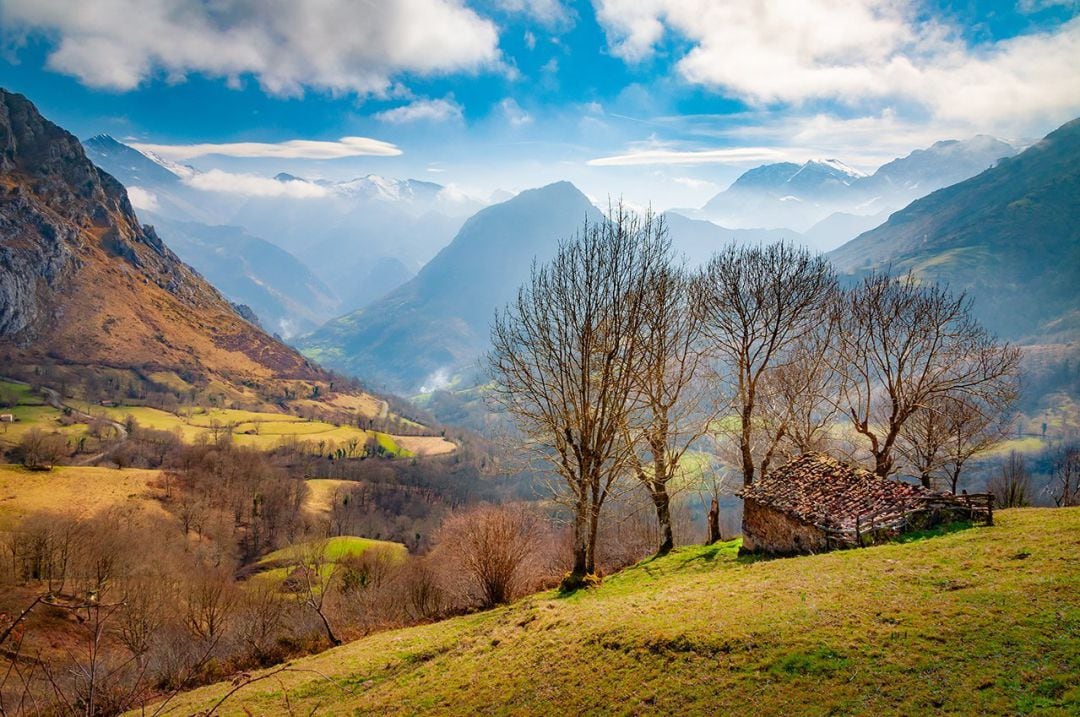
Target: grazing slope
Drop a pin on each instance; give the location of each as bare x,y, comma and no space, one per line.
980,621
438,322
1010,236
82,282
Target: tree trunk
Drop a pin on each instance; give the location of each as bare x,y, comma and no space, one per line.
329,631
744,446
925,480
590,555
663,516
581,541
714,522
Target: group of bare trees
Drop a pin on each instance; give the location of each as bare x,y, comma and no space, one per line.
616,359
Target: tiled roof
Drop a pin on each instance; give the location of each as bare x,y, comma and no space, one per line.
820,490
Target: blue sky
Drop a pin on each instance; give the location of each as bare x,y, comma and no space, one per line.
658,100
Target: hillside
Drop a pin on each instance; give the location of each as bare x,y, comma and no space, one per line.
286,296
979,621
1010,236
436,325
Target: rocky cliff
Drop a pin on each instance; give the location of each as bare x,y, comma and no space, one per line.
82,281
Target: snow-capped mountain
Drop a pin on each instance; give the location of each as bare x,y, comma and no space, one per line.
361,237
803,196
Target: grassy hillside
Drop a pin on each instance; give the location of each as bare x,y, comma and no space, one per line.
978,621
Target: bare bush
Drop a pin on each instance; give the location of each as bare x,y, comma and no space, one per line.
493,546
39,450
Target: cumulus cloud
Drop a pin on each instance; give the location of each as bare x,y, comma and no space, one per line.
735,155
440,110
291,149
336,45
142,198
252,185
793,51
514,113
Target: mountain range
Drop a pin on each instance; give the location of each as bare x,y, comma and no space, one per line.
1010,237
825,200
435,326
360,238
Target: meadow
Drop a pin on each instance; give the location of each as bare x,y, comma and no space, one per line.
976,621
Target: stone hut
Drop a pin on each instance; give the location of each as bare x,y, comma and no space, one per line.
816,503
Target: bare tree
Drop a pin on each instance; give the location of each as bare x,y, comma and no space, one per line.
566,357
940,438
675,410
798,398
312,579
904,345
761,301
41,450
1011,486
1066,476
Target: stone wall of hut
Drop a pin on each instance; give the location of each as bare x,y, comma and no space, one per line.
766,530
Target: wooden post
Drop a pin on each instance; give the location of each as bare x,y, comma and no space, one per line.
989,508
858,530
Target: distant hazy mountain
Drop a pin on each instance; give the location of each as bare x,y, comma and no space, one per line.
437,325
802,196
361,237
697,239
285,295
1010,236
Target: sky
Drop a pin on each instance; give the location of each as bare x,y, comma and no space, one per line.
662,102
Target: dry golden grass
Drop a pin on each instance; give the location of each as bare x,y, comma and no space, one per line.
74,489
425,445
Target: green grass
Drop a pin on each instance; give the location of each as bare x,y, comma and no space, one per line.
275,566
338,548
33,412
956,623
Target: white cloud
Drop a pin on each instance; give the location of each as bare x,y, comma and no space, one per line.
439,110
853,51
291,149
142,198
514,113
336,45
734,155
252,185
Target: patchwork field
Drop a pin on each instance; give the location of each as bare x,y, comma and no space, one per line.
979,621
268,430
